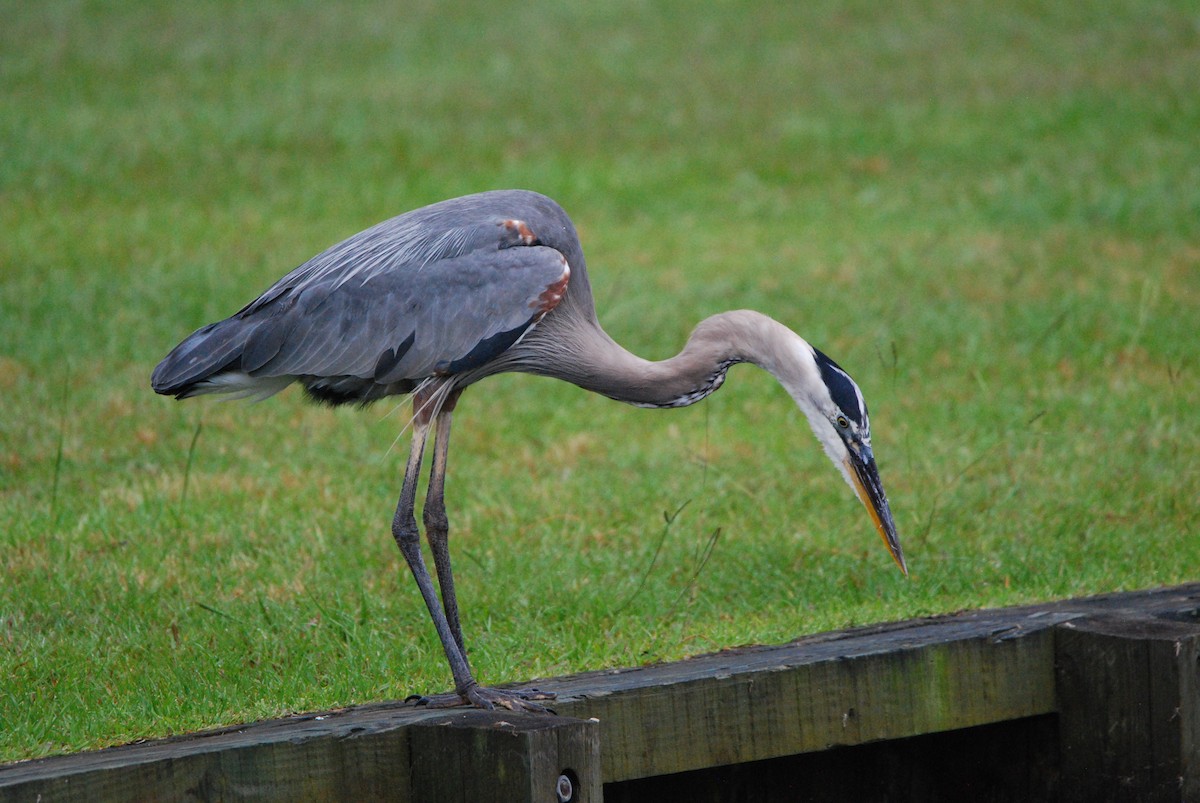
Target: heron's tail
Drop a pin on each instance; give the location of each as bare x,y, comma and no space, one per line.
210,361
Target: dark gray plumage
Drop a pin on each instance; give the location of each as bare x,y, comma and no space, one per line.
345,324
434,300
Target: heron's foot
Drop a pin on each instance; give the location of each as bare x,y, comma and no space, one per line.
488,699
512,699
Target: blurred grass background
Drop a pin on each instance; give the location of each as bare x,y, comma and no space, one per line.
988,212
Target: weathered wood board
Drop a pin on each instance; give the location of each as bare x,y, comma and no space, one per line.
851,687
1129,705
475,755
747,705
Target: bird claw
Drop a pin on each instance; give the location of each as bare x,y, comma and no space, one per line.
449,700
488,699
512,699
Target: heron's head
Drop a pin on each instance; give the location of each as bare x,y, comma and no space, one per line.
837,411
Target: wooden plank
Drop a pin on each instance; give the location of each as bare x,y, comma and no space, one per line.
1130,709
360,754
1007,762
850,687
737,707
477,757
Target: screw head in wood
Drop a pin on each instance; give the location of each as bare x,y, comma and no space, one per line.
566,789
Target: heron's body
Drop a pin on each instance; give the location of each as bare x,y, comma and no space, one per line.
435,300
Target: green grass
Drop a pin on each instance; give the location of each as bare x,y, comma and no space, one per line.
990,214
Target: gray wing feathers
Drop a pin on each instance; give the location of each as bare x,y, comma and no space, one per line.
442,288
441,310
410,240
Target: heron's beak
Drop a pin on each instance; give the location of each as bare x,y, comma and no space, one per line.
870,490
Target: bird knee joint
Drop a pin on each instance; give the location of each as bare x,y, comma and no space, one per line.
436,520
406,533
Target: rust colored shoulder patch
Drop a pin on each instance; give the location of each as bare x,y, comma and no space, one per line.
554,291
521,229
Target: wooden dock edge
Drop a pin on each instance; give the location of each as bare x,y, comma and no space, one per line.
1121,672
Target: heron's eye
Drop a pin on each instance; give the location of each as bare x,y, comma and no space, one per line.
842,422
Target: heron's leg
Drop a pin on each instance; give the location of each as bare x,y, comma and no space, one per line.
408,538
437,525
445,615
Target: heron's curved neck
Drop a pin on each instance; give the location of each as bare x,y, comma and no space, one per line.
594,361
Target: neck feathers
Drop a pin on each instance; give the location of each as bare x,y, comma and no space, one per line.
585,355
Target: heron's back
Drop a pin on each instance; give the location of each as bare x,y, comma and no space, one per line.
442,290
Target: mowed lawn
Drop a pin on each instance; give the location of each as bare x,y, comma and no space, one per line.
989,213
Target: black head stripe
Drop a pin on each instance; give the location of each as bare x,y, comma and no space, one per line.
842,388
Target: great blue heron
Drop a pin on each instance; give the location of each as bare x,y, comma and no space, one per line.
434,300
